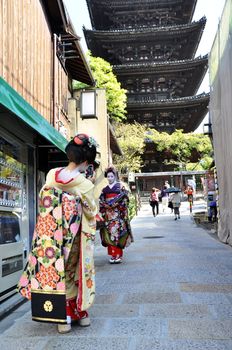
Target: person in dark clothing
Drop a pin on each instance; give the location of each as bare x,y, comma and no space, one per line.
213,211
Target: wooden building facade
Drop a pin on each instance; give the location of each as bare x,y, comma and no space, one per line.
37,44
40,54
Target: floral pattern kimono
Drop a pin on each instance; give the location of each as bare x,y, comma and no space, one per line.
59,277
116,233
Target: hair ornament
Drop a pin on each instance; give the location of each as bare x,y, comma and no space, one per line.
92,142
78,141
83,139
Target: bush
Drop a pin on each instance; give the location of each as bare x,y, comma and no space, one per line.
132,210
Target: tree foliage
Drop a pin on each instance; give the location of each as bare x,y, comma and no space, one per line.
131,138
105,78
189,149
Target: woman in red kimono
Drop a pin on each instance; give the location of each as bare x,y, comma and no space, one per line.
116,232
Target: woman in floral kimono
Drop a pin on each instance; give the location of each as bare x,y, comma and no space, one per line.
59,276
116,232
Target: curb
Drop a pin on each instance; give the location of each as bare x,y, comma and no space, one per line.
11,304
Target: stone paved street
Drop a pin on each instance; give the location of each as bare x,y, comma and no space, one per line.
173,291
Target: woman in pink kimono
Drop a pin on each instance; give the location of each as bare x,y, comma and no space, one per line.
59,275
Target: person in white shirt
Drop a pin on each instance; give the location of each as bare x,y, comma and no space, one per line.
176,201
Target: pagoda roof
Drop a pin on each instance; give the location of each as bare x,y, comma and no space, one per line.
186,112
158,30
104,14
189,73
102,42
190,100
130,68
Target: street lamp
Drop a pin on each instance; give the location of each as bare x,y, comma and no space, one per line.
88,104
207,129
181,175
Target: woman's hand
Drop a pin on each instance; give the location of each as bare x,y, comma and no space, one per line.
92,178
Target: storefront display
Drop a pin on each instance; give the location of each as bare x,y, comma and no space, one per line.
11,181
13,212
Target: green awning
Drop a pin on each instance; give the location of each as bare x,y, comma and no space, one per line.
11,100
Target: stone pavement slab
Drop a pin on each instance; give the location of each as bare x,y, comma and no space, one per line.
208,288
154,344
151,298
18,343
173,291
80,343
200,329
175,311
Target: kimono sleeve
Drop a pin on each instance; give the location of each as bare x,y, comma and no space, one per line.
102,201
124,191
89,208
49,181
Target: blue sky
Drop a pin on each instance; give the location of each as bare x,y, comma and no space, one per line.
212,9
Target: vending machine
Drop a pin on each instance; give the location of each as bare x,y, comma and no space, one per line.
14,227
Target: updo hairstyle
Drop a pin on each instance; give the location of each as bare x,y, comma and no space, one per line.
81,148
111,169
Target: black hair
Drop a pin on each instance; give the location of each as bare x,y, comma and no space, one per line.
111,170
80,149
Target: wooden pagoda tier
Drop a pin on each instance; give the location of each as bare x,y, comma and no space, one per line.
184,113
157,44
155,160
121,14
149,81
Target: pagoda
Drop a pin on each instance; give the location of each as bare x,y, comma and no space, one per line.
152,45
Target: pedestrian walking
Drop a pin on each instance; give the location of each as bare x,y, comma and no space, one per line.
116,231
154,200
175,198
212,211
59,275
189,192
164,198
166,183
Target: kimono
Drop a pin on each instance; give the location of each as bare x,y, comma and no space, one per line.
59,277
116,232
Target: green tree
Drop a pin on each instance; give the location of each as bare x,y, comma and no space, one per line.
105,78
189,149
131,138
